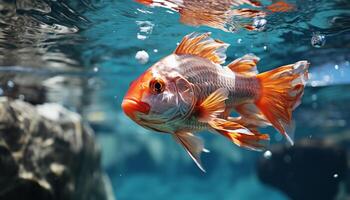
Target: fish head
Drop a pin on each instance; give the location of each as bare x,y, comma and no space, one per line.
159,98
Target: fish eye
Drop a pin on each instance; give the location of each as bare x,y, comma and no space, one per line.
157,86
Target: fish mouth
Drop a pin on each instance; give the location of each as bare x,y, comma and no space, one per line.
131,106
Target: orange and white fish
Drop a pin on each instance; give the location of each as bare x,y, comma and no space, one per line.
189,91
227,15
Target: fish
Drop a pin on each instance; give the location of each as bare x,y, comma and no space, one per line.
226,15
190,91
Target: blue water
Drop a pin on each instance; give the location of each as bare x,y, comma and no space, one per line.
83,53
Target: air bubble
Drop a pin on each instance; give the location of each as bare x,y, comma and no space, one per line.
142,57
239,41
259,23
95,69
267,154
10,84
335,175
141,37
318,40
336,67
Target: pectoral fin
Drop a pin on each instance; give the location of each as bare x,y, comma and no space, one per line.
212,106
193,145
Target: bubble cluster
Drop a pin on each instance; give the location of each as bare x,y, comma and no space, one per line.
146,28
318,40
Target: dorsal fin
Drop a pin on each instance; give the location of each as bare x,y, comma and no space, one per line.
245,65
204,46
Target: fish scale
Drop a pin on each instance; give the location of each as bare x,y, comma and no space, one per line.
208,77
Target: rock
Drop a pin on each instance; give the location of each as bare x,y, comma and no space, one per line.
46,152
309,170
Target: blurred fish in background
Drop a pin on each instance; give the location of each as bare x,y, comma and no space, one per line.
227,15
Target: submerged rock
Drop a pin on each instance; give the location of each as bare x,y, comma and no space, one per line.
310,170
46,152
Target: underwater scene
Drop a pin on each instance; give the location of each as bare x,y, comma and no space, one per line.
174,99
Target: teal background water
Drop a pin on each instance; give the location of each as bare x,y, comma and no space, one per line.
85,58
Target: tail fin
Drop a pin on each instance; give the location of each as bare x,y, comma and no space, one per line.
281,92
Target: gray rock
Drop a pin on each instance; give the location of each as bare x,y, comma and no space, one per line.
46,152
